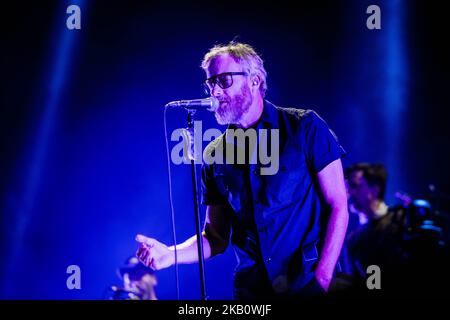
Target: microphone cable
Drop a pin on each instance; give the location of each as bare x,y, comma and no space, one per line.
171,206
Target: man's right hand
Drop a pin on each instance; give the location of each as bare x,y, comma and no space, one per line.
154,254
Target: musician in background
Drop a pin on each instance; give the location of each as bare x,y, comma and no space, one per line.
138,281
402,240
365,184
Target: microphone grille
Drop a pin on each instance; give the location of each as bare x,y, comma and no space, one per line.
214,104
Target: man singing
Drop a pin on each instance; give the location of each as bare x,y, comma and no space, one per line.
287,226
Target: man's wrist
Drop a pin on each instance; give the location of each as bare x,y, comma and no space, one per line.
323,276
323,272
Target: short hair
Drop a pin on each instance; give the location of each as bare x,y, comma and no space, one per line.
375,175
241,53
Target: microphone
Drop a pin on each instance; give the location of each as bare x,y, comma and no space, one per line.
210,104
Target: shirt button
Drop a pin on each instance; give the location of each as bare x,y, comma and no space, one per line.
268,260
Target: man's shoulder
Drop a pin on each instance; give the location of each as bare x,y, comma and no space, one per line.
391,222
294,112
394,218
297,115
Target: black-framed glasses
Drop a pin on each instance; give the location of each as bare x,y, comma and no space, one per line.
223,80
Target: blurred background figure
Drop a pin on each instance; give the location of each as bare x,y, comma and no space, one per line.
407,241
366,187
138,282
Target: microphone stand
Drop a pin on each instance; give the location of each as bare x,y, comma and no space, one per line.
201,260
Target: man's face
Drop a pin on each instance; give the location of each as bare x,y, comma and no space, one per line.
360,192
236,100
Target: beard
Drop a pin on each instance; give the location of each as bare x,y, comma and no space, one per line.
231,109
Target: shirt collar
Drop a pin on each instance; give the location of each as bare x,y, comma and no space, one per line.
267,120
269,117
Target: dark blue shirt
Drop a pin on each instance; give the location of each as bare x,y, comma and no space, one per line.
277,220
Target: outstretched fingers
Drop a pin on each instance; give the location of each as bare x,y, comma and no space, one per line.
148,241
